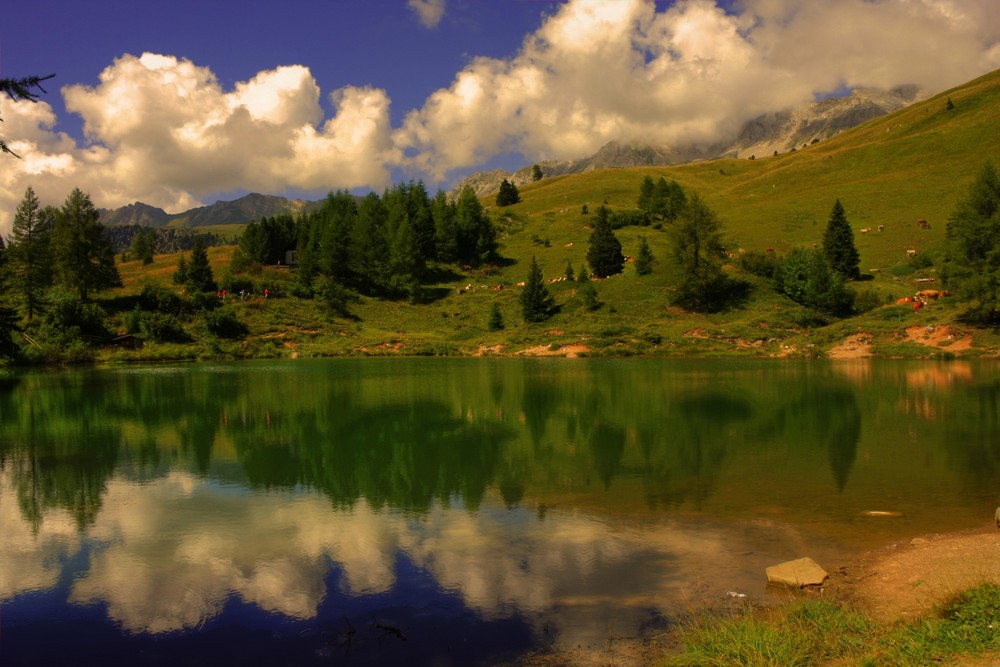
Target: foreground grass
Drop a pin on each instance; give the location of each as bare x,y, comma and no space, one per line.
824,633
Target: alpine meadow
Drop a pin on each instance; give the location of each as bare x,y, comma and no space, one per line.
899,182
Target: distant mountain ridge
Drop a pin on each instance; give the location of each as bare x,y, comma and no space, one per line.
771,132
253,206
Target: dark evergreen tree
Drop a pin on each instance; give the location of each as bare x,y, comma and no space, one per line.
84,258
370,245
697,251
662,200
445,228
476,234
536,172
536,302
143,244
496,318
605,252
180,275
838,245
406,264
307,254
29,255
588,296
972,266
198,276
8,315
508,194
569,273
644,260
647,196
335,235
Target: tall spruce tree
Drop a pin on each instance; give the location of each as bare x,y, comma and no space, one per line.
697,250
477,237
644,259
838,245
972,265
198,275
536,302
84,258
605,252
8,315
28,256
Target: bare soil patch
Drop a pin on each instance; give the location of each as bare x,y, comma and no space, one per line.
943,336
908,580
857,346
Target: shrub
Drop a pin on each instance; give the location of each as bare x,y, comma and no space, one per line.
763,264
224,324
867,300
156,298
156,326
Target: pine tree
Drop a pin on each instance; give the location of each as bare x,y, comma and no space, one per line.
838,245
84,258
496,318
198,276
8,316
180,275
476,234
605,252
445,228
697,250
29,253
508,194
644,260
143,245
536,302
569,273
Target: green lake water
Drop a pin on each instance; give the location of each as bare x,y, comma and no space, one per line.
455,511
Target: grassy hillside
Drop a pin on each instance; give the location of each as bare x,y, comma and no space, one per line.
893,171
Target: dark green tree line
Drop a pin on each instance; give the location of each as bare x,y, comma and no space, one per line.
382,245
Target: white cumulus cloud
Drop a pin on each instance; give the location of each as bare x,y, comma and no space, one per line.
163,130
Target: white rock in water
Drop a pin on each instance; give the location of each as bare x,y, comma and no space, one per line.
797,573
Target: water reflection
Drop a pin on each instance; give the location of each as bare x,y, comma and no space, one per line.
555,496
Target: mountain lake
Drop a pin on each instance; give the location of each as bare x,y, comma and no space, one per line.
455,511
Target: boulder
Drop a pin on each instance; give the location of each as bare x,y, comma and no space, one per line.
797,573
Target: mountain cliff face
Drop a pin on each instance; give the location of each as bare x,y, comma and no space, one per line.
785,130
238,211
138,213
778,131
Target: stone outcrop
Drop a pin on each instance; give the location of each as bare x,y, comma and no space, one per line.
797,573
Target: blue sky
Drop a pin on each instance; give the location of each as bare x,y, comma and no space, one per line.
183,102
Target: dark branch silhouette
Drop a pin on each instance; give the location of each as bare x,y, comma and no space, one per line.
22,89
